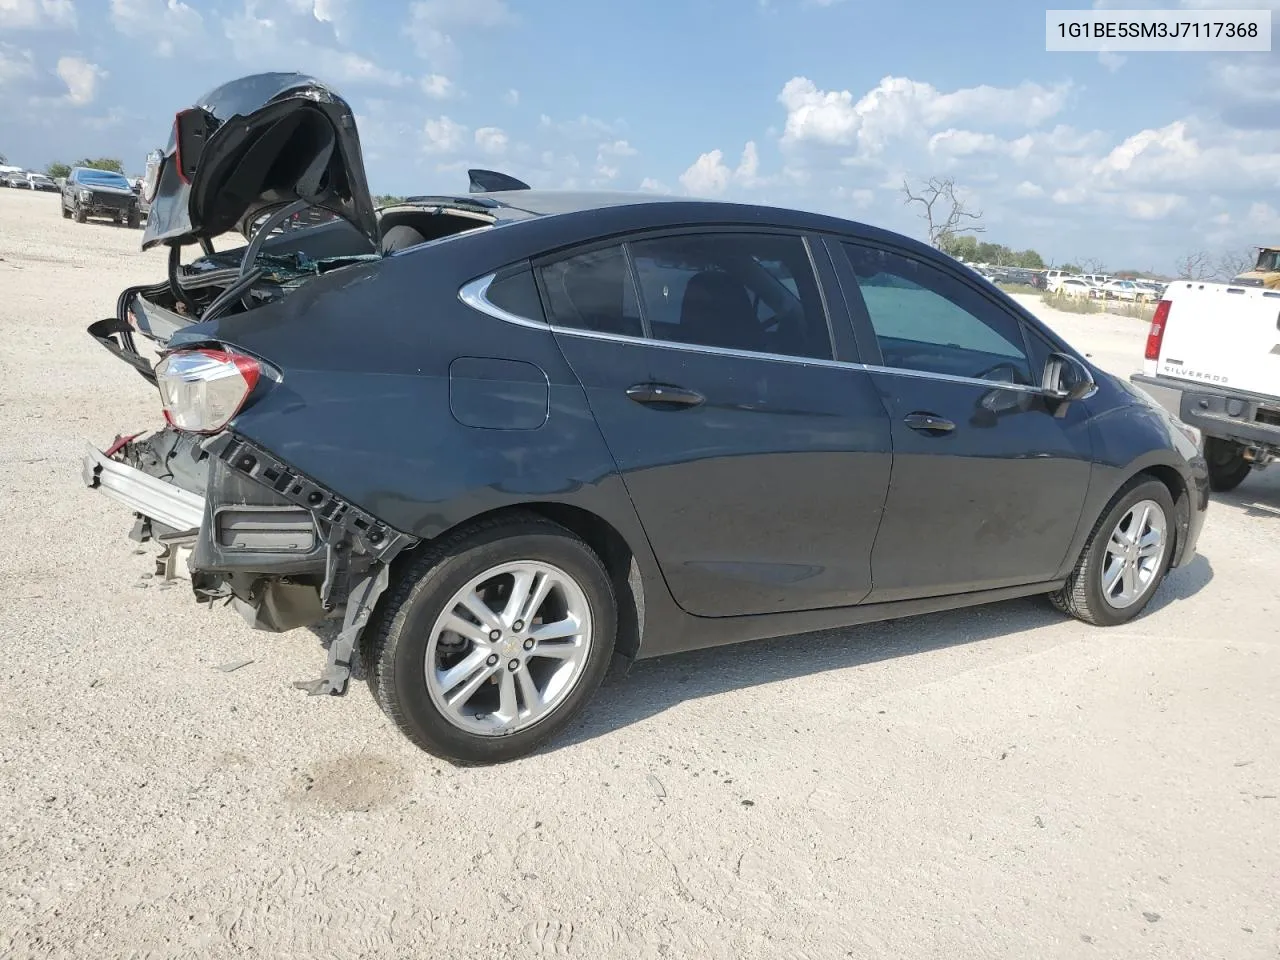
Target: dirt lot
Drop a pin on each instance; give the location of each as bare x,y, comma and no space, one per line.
1000,782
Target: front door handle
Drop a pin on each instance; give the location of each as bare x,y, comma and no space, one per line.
664,395
928,423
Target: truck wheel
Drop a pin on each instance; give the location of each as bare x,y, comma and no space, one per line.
1125,559
66,214
133,220
79,214
490,641
1227,465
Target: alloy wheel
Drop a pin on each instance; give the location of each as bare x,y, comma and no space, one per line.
1135,551
508,647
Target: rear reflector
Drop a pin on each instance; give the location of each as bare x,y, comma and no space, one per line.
1155,335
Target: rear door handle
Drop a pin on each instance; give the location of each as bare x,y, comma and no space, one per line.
928,423
664,395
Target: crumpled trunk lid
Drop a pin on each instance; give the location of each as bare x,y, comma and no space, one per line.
255,145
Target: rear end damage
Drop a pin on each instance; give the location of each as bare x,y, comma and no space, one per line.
247,529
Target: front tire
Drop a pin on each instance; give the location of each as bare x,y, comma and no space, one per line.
66,214
80,214
491,641
1227,465
1125,559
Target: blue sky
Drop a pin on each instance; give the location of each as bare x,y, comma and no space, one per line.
820,104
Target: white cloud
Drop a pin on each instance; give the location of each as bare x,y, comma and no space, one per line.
1028,190
443,135
491,140
709,175
1151,206
650,185
616,148
36,14
1111,60
898,106
437,86
166,22
81,78
511,98
15,65
281,34
433,23
1262,216
583,128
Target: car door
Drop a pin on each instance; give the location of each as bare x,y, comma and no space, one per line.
989,474
756,454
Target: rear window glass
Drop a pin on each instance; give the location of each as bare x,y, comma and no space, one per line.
593,291
516,293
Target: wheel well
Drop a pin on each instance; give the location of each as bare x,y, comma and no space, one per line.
1181,497
612,549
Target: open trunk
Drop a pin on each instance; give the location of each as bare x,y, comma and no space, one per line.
263,156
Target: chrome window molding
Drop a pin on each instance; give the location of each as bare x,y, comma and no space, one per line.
473,295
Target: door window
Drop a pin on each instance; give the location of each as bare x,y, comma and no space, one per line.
592,291
924,319
736,291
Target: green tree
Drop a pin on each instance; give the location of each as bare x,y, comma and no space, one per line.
1029,259
3,159
102,163
962,247
386,200
58,169
1069,267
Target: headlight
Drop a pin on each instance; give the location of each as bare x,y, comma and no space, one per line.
86,196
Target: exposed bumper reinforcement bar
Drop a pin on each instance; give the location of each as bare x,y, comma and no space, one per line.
144,494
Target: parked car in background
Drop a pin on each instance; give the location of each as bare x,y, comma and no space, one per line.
1126,290
1074,287
17,181
99,193
502,437
39,181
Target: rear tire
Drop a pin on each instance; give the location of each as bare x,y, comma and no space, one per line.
1227,465
1122,552
420,669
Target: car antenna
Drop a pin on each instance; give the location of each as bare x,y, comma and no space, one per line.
485,181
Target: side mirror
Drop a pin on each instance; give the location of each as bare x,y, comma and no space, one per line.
1066,378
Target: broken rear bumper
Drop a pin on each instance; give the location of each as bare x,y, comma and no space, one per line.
155,499
285,550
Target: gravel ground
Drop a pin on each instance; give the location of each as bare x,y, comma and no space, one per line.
999,782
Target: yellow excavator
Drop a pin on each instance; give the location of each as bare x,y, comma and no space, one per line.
1266,273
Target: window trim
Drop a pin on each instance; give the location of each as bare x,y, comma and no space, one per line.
472,294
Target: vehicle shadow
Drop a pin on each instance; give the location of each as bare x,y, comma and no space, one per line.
1258,496
654,686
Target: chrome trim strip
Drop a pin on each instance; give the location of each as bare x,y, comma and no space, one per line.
142,493
473,295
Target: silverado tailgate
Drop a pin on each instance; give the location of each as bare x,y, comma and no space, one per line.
1221,334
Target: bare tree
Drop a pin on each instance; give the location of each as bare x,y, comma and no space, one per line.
1234,262
1093,265
942,210
1195,266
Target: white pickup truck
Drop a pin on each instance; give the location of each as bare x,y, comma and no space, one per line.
1213,360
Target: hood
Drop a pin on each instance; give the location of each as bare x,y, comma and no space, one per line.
252,146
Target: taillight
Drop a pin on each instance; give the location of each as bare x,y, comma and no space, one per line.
201,390
1155,335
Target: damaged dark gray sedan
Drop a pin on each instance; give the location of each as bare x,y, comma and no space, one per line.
506,438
